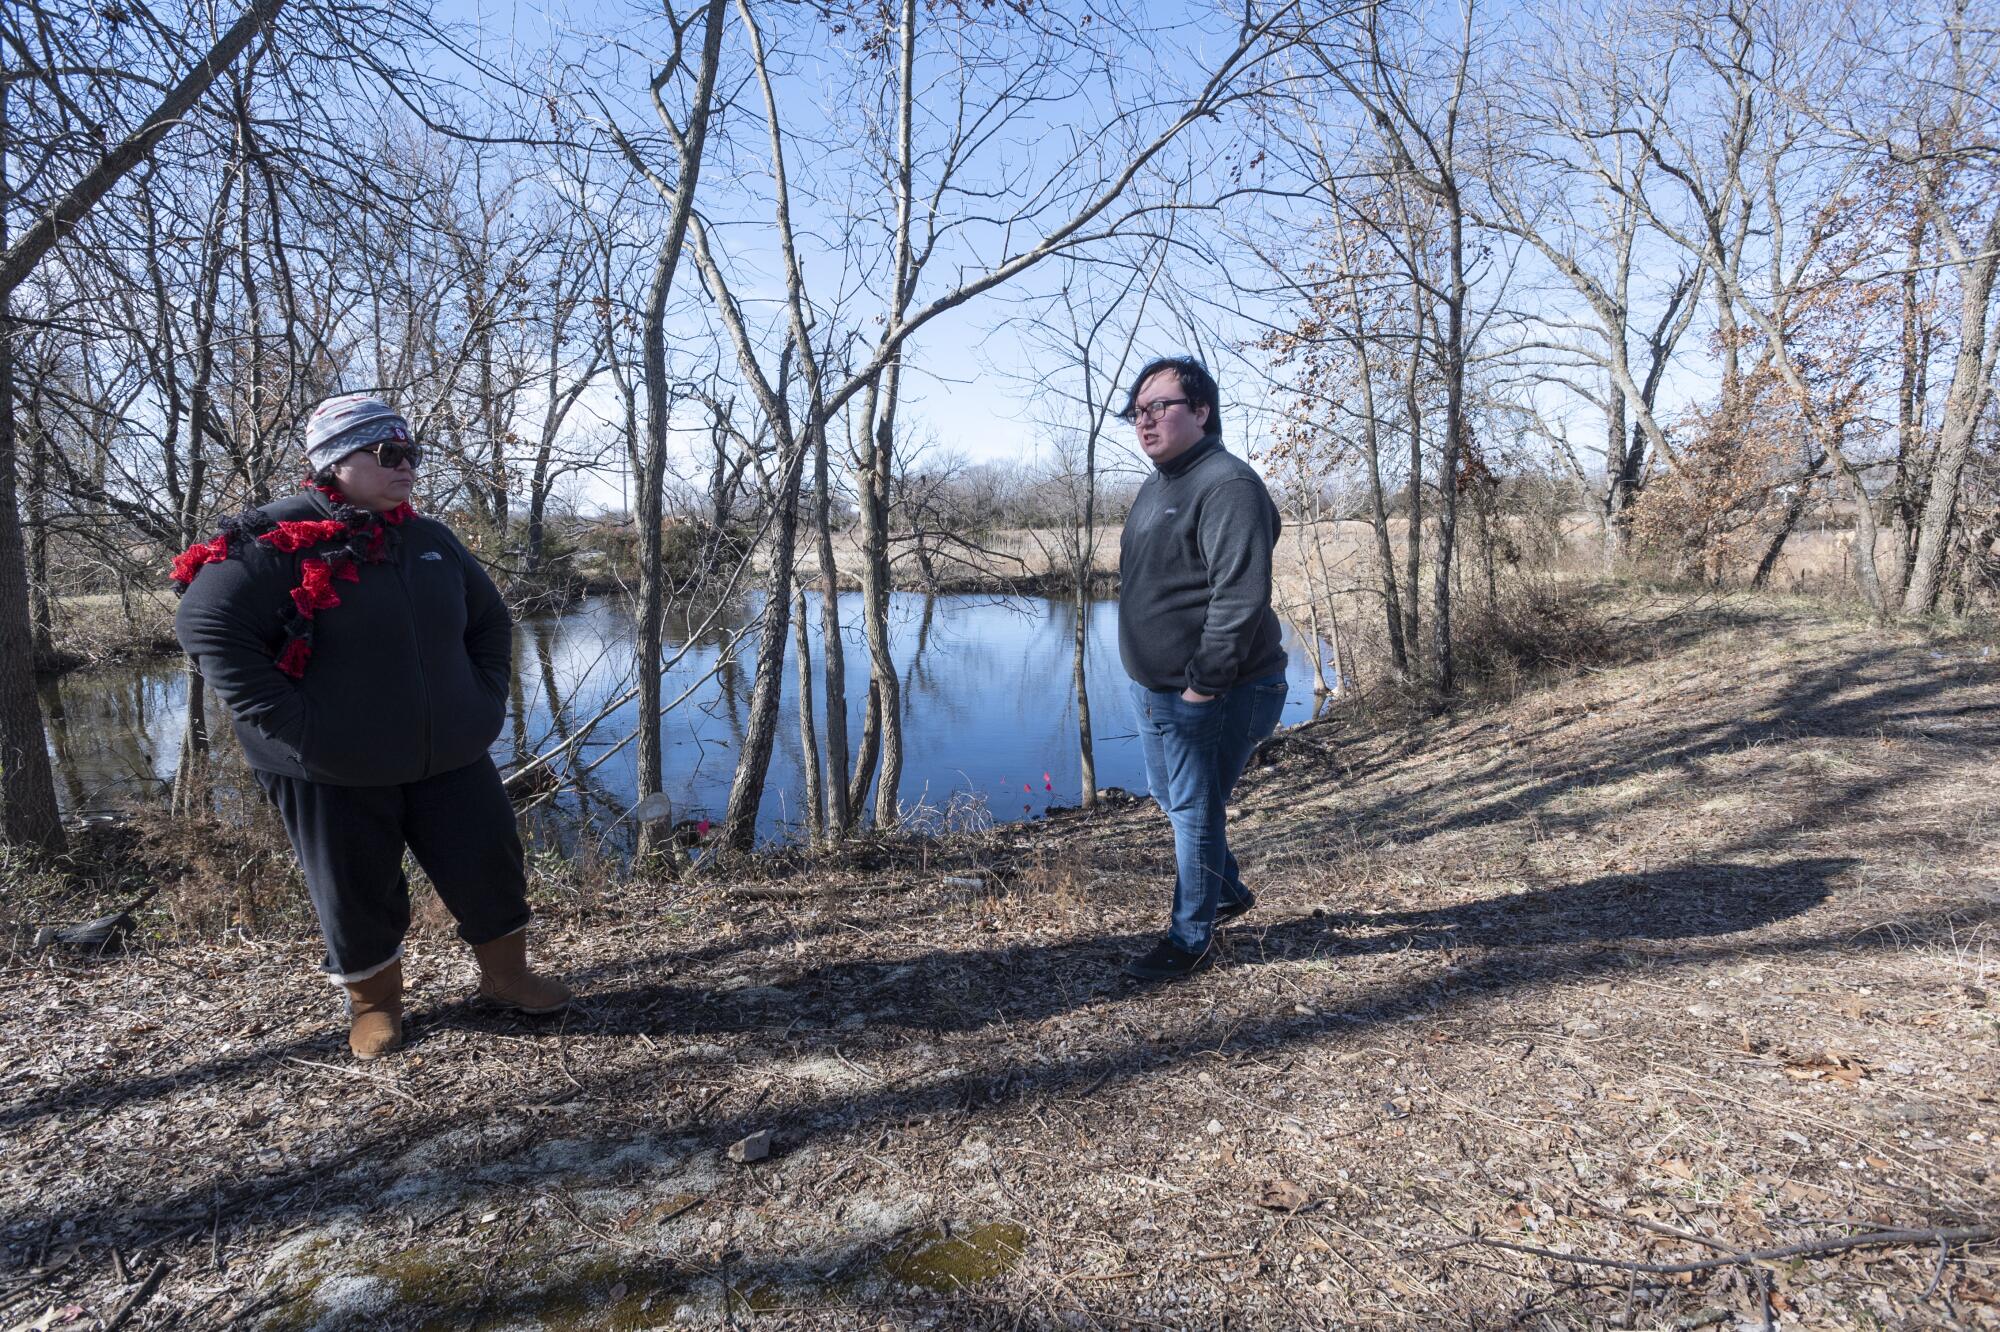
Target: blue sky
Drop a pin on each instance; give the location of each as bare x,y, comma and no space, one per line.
967,389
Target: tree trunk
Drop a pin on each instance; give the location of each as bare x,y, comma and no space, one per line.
1332,597
814,799
1909,417
649,505
1413,537
1962,407
1795,509
40,610
760,732
1455,445
1617,493
1378,518
191,784
497,502
650,501
28,815
864,757
839,814
538,499
1958,570
1864,541
538,478
1086,556
878,425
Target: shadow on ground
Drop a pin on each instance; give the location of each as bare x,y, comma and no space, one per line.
1556,935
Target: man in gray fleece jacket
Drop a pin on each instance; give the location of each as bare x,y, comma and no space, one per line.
1200,641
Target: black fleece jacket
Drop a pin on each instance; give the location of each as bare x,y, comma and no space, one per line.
1194,568
408,675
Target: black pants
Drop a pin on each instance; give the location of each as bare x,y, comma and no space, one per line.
350,841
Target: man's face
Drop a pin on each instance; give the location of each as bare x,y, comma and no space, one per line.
369,485
1167,431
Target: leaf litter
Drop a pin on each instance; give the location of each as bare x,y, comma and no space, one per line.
1461,1014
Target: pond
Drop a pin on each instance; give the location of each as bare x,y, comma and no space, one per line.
988,714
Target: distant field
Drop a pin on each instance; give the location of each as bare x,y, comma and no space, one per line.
1348,548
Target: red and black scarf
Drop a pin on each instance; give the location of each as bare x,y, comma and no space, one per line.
340,545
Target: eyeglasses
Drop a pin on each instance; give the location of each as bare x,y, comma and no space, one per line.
391,453
1154,410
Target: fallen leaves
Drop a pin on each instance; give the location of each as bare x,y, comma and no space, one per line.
56,1317
1833,1066
1280,1195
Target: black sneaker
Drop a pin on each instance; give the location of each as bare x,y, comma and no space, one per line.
1229,911
1168,961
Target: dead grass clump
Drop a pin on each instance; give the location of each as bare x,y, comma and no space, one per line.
1530,630
580,884
220,874
102,873
1044,890
38,891
101,628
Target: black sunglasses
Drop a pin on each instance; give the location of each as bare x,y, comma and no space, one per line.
392,453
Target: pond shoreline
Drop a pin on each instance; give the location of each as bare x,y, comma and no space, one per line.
988,713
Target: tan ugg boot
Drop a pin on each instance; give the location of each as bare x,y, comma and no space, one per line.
504,977
375,1012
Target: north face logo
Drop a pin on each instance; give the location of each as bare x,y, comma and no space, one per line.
431,555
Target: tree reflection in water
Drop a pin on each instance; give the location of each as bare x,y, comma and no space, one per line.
987,708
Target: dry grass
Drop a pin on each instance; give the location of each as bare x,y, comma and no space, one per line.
101,628
1689,951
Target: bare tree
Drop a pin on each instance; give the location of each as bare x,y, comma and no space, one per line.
1567,180
53,90
1767,177
687,132
1091,330
1413,90
1071,203
1948,146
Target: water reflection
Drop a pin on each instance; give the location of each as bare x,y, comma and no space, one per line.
989,721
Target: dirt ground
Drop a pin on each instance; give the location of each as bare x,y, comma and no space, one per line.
1683,956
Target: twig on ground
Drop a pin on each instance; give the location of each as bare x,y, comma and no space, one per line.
1937,1274
139,1296
1657,1227
1880,1239
385,1084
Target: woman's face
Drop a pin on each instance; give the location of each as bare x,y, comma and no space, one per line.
369,485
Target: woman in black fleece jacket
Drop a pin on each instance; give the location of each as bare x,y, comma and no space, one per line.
363,655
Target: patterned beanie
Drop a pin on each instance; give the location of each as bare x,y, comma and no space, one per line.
339,426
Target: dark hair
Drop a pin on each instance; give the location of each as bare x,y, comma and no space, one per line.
1197,386
322,477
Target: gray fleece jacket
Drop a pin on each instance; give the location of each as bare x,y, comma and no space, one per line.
1194,564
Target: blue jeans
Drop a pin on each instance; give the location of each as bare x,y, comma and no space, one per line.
1194,754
